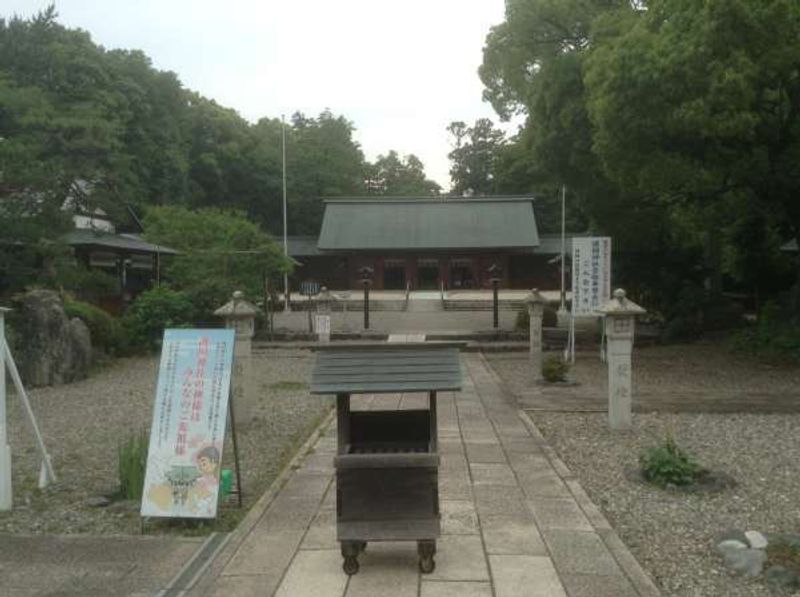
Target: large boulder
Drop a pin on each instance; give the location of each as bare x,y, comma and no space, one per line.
52,349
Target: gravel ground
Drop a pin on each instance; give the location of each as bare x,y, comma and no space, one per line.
671,533
701,366
83,422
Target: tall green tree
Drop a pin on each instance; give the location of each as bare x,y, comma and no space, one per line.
474,156
393,175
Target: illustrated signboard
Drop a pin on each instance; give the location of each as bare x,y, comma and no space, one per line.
186,438
591,274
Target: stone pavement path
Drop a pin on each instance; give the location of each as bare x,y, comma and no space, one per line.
90,566
515,522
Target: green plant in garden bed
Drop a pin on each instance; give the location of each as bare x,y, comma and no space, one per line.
106,331
132,461
554,369
667,464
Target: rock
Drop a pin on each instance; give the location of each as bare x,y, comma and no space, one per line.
81,340
780,577
746,562
756,539
734,534
730,545
98,501
55,350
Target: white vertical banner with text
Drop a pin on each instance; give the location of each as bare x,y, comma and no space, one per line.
591,274
186,438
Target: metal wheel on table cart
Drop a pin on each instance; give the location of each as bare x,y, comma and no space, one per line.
350,551
426,550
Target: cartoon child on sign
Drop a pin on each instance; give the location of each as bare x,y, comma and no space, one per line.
207,460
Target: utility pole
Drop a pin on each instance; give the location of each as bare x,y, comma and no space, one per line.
287,308
562,309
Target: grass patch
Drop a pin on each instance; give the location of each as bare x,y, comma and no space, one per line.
288,386
132,461
666,464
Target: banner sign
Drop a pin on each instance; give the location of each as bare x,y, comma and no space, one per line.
186,438
591,274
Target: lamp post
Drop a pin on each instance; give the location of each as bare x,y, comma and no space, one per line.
495,276
366,279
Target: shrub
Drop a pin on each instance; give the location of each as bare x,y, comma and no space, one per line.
132,462
549,318
667,464
775,334
106,331
554,369
155,310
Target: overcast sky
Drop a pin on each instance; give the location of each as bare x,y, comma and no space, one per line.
401,71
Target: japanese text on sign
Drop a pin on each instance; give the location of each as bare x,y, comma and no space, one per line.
591,274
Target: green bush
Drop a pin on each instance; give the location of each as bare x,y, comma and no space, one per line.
87,284
775,334
132,462
107,332
667,464
554,369
155,310
549,318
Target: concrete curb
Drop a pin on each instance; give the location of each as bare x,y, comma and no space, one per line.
206,576
640,580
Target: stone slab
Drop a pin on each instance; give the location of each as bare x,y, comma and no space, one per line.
559,513
508,535
525,576
598,585
460,557
458,517
580,552
492,474
386,569
485,453
315,573
455,589
265,551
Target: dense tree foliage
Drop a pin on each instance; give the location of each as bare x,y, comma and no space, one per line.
674,125
104,129
393,175
220,251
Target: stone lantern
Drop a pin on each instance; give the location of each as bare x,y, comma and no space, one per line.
323,320
535,303
240,315
620,322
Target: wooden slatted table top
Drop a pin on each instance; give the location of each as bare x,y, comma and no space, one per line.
387,368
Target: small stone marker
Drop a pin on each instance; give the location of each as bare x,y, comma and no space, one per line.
756,539
322,321
620,319
240,315
535,302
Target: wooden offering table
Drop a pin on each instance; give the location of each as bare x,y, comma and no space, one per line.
387,460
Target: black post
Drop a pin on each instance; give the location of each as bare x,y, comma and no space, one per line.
495,275
495,315
366,304
366,278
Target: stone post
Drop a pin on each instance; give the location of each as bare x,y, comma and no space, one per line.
535,304
323,323
6,500
620,321
240,314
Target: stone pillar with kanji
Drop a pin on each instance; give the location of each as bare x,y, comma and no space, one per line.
620,322
240,315
535,302
323,318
